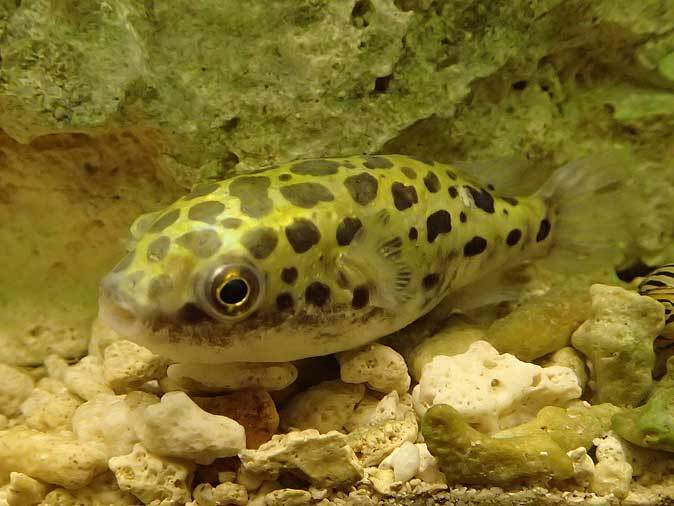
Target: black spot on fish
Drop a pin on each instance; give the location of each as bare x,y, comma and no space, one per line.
260,242
317,294
206,211
289,275
463,217
164,221
315,167
490,187
543,230
453,192
159,285
432,182
361,296
440,222
285,302
413,234
475,246
231,223
430,280
347,229
482,198
409,172
252,191
306,195
158,248
451,175
191,313
201,190
505,212
302,234
377,162
362,188
125,262
510,200
514,237
285,177
404,197
203,243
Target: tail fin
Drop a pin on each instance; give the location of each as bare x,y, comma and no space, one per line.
591,199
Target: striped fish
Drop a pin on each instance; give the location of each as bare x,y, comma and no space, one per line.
659,285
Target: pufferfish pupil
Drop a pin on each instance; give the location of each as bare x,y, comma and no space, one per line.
233,292
319,256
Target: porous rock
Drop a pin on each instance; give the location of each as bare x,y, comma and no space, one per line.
59,459
490,390
326,460
127,365
177,427
86,378
25,491
618,342
612,473
15,387
372,443
50,406
325,407
109,420
223,494
381,367
155,480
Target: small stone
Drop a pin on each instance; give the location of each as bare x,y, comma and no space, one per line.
53,458
50,406
152,478
288,497
177,427
127,365
324,407
86,378
24,490
381,367
223,494
325,459
15,387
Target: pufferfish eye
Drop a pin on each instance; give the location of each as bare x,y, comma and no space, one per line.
233,291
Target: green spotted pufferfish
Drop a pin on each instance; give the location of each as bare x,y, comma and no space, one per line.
319,256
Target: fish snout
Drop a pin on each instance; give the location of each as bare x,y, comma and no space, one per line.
117,309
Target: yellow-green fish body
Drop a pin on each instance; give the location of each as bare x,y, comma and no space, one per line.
314,257
659,284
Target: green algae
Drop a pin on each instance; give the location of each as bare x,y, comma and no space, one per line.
468,456
651,425
570,428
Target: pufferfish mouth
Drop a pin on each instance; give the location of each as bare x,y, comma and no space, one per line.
118,313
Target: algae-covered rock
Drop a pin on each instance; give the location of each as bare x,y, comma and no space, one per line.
468,456
618,341
570,428
651,425
543,324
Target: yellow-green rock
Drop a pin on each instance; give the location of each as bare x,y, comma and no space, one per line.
570,428
468,456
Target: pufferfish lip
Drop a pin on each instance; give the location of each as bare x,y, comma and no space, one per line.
118,312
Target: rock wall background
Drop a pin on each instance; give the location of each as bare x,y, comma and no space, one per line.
111,108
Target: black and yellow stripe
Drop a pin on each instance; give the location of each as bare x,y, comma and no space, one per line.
659,285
